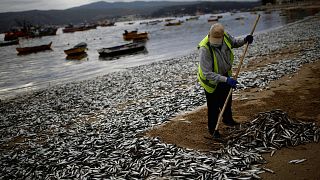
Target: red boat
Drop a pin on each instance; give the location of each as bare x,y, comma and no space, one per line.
33,49
9,36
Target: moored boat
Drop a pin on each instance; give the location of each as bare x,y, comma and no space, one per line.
122,49
173,23
9,43
192,18
33,49
70,28
77,49
134,35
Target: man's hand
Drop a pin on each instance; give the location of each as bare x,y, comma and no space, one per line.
233,83
248,39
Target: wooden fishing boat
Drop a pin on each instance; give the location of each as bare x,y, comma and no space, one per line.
33,49
134,35
77,49
122,49
9,43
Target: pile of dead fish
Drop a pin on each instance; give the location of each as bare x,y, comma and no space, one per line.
272,130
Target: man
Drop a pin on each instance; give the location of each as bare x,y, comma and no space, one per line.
214,73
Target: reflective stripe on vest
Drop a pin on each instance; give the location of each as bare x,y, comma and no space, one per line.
210,85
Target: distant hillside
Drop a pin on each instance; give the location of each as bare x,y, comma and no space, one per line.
204,7
104,10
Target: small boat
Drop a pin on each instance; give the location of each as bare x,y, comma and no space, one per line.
122,49
33,49
173,23
9,43
77,49
213,19
134,35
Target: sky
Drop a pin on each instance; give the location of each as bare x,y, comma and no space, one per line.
24,5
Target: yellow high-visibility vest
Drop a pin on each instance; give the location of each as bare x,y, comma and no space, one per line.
209,85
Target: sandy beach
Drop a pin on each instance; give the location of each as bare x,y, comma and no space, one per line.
95,128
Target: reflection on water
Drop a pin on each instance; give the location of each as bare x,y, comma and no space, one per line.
81,56
22,73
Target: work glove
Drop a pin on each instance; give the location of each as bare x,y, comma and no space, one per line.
233,83
248,39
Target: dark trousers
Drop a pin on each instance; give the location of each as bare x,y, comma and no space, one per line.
215,102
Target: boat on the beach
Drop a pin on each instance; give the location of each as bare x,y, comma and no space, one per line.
128,48
9,43
134,35
33,49
77,49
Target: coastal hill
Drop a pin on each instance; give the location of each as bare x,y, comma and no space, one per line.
114,11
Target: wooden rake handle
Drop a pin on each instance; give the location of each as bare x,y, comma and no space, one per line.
237,73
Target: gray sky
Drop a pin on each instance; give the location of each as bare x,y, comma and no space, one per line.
23,5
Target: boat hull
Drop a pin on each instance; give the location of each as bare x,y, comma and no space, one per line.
135,36
9,43
33,49
75,51
122,50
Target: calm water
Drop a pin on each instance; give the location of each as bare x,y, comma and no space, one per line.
23,73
